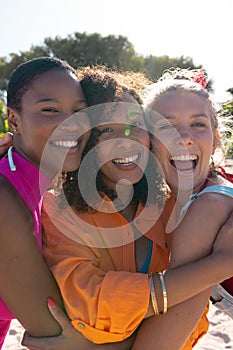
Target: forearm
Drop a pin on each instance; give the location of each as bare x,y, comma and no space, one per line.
70,338
124,345
25,291
26,283
179,321
186,281
189,280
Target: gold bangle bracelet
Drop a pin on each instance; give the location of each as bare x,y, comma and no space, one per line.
153,295
164,290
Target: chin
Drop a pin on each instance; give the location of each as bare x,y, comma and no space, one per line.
71,166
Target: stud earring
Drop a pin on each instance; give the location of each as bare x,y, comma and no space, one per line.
71,177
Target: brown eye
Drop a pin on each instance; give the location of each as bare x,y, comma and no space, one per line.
134,124
199,125
49,109
108,129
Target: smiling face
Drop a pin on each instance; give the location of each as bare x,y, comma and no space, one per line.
123,145
51,98
185,139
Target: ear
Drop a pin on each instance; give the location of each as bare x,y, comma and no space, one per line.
13,120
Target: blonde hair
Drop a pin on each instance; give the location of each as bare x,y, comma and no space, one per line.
183,80
174,80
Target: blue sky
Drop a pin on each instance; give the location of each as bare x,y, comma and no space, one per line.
200,29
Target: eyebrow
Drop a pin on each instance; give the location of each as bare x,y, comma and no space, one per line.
55,100
192,116
47,100
200,115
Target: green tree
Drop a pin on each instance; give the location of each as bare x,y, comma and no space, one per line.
226,117
8,65
230,90
155,65
3,118
81,49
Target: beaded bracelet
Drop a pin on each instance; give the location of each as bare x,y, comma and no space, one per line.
164,290
152,293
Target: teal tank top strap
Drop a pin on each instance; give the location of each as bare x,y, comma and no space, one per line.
145,267
225,190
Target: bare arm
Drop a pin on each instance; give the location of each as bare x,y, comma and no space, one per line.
193,239
199,270
70,338
171,330
26,281
186,315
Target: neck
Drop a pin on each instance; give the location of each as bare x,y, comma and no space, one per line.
124,191
124,202
182,196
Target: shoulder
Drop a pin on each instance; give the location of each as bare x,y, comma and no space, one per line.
221,193
9,196
220,181
215,206
15,217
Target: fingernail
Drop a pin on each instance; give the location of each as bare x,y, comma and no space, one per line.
51,302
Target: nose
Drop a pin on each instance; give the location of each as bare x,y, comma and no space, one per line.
125,144
184,137
77,123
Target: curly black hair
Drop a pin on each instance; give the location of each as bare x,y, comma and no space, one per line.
101,86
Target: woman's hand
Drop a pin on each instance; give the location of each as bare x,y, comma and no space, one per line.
70,338
5,143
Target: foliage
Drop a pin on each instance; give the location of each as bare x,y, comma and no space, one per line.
226,118
8,65
231,91
3,118
81,49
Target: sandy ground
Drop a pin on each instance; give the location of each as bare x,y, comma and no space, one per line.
220,335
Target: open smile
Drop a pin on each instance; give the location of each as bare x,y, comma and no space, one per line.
126,161
184,162
65,144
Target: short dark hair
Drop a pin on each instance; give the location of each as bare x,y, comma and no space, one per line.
22,77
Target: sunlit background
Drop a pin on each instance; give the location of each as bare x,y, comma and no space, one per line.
200,29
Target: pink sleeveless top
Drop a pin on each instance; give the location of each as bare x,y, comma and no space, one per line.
31,185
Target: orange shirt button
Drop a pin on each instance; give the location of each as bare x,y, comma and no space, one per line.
81,325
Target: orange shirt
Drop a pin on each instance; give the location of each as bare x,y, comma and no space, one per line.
92,256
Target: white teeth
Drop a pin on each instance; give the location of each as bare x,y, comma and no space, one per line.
126,160
66,144
184,158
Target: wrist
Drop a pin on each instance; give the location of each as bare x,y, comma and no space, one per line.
222,265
